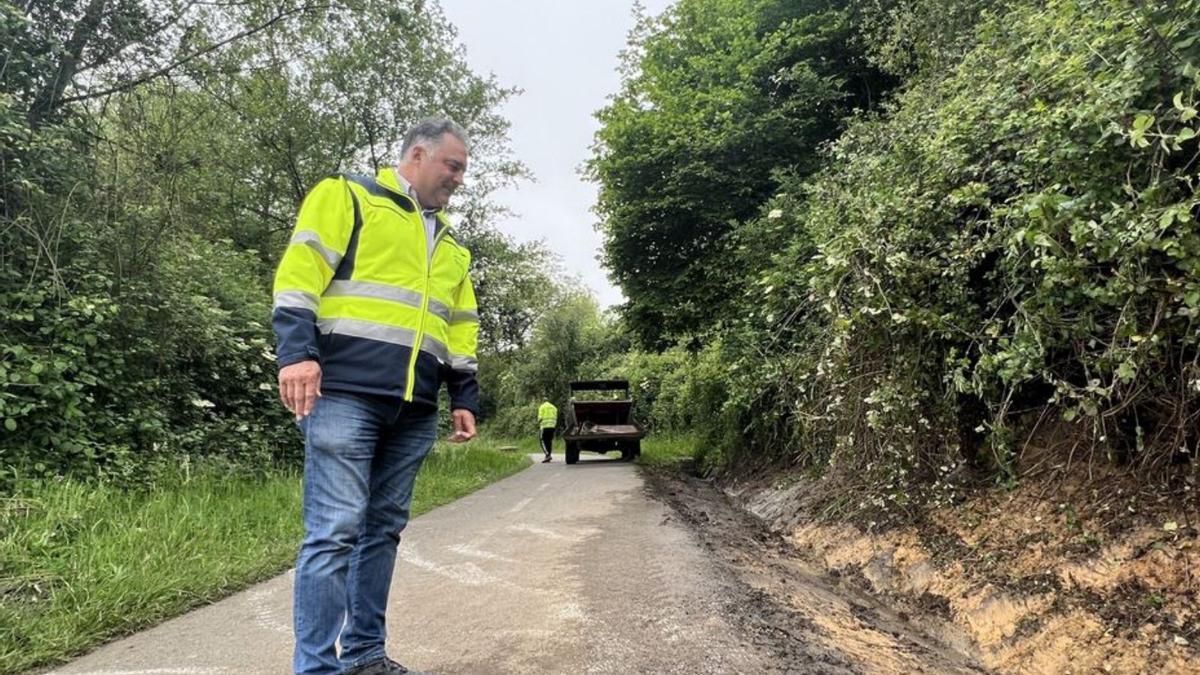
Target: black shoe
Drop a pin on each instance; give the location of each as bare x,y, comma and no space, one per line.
384,666
545,460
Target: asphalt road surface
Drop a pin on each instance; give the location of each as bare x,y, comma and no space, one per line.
554,570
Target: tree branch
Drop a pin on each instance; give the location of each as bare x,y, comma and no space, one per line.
166,70
155,30
49,97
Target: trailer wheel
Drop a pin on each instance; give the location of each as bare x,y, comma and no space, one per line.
572,452
630,450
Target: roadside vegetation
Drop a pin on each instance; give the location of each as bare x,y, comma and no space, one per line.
152,156
906,243
923,279
667,450
913,248
87,561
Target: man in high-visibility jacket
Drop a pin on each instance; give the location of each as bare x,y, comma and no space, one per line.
547,421
373,311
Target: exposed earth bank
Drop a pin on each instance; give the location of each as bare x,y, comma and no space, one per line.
808,620
1055,576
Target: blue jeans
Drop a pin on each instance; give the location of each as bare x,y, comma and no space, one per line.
361,457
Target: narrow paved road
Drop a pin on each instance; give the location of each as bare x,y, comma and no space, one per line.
555,570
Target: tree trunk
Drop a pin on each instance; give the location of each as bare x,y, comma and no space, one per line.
48,99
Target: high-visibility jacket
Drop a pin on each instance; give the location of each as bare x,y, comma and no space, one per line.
547,415
358,291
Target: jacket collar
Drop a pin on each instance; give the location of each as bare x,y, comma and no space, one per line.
391,179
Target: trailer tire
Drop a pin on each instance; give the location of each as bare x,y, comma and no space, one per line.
572,452
630,451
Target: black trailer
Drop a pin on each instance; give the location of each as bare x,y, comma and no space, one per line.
602,422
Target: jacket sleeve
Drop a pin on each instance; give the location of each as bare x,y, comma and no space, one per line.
318,243
464,337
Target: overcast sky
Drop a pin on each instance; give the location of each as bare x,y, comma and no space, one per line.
563,54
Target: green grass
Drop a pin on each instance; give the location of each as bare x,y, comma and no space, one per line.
666,450
82,563
657,450
452,471
526,445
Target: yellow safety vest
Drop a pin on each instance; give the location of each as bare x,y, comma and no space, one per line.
358,291
547,415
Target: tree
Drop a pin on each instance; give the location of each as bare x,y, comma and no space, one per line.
571,339
154,154
719,96
514,285
95,48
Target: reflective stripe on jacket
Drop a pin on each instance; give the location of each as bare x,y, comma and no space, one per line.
547,415
358,291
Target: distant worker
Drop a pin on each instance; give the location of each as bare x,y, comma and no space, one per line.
547,420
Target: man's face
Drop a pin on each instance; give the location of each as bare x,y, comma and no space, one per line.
439,171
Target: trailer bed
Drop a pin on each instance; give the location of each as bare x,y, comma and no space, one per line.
602,423
588,430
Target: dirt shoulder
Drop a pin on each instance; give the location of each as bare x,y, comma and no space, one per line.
812,621
1083,575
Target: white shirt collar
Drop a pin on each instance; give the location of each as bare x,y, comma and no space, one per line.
411,192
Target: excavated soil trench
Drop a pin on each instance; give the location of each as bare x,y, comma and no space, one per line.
1054,577
813,622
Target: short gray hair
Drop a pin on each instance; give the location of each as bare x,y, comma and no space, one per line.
429,131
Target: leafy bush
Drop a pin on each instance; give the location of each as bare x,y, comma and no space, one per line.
1020,232
1011,238
515,421
104,378
142,208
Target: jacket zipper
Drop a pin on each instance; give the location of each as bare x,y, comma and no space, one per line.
411,381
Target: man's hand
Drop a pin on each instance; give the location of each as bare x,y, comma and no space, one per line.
299,387
464,426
